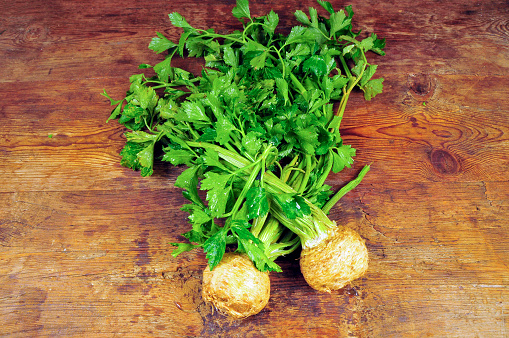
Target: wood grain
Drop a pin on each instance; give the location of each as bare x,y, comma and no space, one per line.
85,243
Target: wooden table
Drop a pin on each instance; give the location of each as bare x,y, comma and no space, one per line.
85,243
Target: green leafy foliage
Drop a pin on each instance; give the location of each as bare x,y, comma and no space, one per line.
342,157
256,130
218,191
138,156
188,180
371,88
257,202
293,205
242,9
161,44
215,247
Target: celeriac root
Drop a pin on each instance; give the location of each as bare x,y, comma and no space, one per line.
236,287
336,261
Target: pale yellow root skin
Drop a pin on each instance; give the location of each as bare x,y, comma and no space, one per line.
341,258
236,287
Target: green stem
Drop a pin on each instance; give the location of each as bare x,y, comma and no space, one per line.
162,84
271,231
345,66
297,84
296,174
249,183
236,142
285,173
305,179
274,184
279,249
241,170
326,170
227,155
257,225
213,35
192,131
280,59
351,85
348,187
311,229
297,182
262,172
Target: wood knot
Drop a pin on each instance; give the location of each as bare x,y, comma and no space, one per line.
415,123
421,86
34,32
444,162
442,133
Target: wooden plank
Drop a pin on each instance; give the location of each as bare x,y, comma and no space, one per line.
111,39
459,134
117,264
85,243
456,136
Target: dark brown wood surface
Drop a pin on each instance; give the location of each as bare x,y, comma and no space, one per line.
85,243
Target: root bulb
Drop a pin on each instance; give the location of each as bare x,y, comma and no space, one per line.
236,287
339,259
